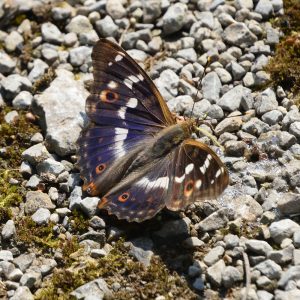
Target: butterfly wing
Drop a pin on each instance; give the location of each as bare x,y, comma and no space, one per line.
145,197
199,174
124,108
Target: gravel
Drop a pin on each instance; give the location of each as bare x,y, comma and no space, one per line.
259,130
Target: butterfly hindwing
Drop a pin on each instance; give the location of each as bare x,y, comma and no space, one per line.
199,174
145,197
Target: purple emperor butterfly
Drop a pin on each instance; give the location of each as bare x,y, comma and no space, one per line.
134,155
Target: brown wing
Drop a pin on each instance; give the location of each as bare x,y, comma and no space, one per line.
112,64
199,174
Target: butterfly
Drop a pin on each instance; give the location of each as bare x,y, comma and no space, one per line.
134,154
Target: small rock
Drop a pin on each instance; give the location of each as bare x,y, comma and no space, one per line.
8,230
215,221
231,276
295,130
283,229
115,9
15,275
22,292
79,24
36,154
258,247
188,54
97,288
265,8
31,279
193,242
106,27
41,216
7,65
51,33
213,255
296,238
289,204
174,230
292,273
50,169
198,284
238,34
13,41
211,87
89,205
151,10
173,19
167,83
11,117
37,138
141,249
24,261
269,268
214,273
23,100
80,55
6,255
36,200
97,223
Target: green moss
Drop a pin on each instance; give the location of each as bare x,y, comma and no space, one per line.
79,221
118,266
14,138
5,214
284,66
40,236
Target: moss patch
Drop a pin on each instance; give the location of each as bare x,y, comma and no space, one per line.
14,139
284,66
119,267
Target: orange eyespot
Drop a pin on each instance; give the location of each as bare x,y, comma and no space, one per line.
188,188
123,197
100,168
108,96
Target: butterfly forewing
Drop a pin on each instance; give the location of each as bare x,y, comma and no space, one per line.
124,108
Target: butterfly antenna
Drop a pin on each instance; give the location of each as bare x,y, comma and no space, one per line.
200,83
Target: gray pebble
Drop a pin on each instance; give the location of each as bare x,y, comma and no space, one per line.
23,100
97,223
269,268
288,204
231,101
265,8
31,279
50,55
151,10
80,55
258,247
174,230
295,130
282,257
97,287
173,19
38,70
214,273
50,169
198,284
7,64
106,27
115,9
13,84
238,34
11,117
89,205
70,39
79,24
13,41
51,33
6,255
15,275
211,87
22,292
61,13
33,182
272,117
214,221
167,84
292,273
41,216
231,276
8,230
213,255
283,229
36,200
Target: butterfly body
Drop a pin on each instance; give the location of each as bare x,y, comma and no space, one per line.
134,155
